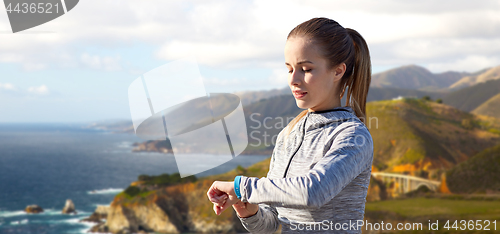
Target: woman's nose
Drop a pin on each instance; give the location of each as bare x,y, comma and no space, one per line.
294,78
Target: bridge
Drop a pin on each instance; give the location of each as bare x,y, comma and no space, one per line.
407,183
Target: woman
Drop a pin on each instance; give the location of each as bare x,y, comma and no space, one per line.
321,164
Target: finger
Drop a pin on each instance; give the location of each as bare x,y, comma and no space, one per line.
210,191
224,207
213,189
214,199
218,210
214,195
219,199
219,203
223,198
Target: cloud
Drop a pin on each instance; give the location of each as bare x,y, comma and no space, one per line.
464,64
278,77
217,54
7,86
101,62
12,90
40,90
224,82
229,34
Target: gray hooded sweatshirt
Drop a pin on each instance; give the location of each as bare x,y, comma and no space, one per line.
318,177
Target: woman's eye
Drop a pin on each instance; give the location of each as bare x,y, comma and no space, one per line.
302,70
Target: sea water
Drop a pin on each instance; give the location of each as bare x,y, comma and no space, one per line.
45,164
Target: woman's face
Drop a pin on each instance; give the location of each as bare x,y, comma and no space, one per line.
313,86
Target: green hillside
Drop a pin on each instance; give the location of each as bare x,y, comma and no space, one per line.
470,98
388,93
480,173
490,107
424,137
280,110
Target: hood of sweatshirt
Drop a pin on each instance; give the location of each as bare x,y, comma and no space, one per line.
319,119
312,123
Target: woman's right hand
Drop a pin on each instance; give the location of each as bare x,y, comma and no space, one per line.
245,209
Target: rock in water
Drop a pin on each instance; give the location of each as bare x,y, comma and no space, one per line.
69,207
100,213
33,209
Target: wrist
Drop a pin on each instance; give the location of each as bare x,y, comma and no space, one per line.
250,210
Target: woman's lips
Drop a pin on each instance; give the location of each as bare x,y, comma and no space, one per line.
299,94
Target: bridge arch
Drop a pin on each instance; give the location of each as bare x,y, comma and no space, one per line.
407,183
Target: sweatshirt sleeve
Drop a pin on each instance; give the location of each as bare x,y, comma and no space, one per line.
264,221
350,154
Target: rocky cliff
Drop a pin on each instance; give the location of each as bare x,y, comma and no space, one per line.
153,146
178,208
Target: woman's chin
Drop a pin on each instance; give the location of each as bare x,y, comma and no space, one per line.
301,104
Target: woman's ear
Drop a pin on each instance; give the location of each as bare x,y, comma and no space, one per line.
339,71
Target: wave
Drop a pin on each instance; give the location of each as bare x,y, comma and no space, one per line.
125,144
51,212
105,191
20,222
86,225
6,214
72,221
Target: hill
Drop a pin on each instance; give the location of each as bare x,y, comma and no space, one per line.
265,119
480,173
490,107
388,93
415,77
470,98
248,97
424,138
410,80
479,77
410,135
374,94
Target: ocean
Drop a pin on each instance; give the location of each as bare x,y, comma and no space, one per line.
45,164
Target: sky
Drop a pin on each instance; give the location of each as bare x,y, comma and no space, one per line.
78,67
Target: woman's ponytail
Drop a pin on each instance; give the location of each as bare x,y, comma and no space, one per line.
358,83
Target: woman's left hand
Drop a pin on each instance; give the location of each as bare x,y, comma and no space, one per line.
222,195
